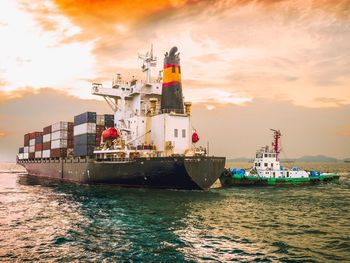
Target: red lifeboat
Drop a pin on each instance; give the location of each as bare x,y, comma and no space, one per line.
110,134
195,137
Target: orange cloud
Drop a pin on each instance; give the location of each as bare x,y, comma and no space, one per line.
106,14
2,134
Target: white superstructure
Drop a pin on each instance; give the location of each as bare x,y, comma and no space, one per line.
139,119
266,163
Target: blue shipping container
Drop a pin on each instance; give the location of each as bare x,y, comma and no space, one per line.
39,139
85,139
109,120
85,118
83,150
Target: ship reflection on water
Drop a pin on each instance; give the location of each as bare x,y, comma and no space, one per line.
64,222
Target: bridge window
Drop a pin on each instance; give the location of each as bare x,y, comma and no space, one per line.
176,133
265,164
183,133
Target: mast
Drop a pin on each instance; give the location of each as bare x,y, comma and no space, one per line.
276,135
148,61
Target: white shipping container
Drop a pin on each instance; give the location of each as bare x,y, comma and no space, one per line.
20,156
85,128
26,149
31,149
46,154
25,155
47,137
59,135
56,144
38,154
32,142
62,125
100,119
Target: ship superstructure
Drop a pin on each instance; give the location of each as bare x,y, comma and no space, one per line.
151,116
267,164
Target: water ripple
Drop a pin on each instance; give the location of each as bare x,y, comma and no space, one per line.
49,221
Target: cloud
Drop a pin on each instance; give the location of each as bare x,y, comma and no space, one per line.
298,50
343,130
30,109
331,101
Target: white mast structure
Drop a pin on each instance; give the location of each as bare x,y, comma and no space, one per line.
148,61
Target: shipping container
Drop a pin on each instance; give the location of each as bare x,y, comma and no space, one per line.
32,155
32,149
61,143
84,139
26,139
33,135
109,120
85,118
99,130
38,147
46,153
20,156
47,130
25,155
32,142
61,134
21,150
85,128
55,153
47,137
70,126
100,119
59,126
26,149
38,154
83,150
39,139
47,145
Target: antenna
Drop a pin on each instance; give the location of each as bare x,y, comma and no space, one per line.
148,61
276,134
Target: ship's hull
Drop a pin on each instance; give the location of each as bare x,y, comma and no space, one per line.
188,173
238,180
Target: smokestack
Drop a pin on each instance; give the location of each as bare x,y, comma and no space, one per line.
172,89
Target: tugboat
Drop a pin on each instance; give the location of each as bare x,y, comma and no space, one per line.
267,170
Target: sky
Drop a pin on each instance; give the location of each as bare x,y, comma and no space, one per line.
247,66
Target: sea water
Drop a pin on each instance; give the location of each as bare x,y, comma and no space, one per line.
42,221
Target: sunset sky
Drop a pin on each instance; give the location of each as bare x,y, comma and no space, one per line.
247,65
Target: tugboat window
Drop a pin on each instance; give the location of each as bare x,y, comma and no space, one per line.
176,133
265,164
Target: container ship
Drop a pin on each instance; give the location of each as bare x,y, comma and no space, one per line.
148,141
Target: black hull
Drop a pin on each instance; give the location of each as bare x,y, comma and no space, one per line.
188,173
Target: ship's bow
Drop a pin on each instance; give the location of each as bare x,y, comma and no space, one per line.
204,170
